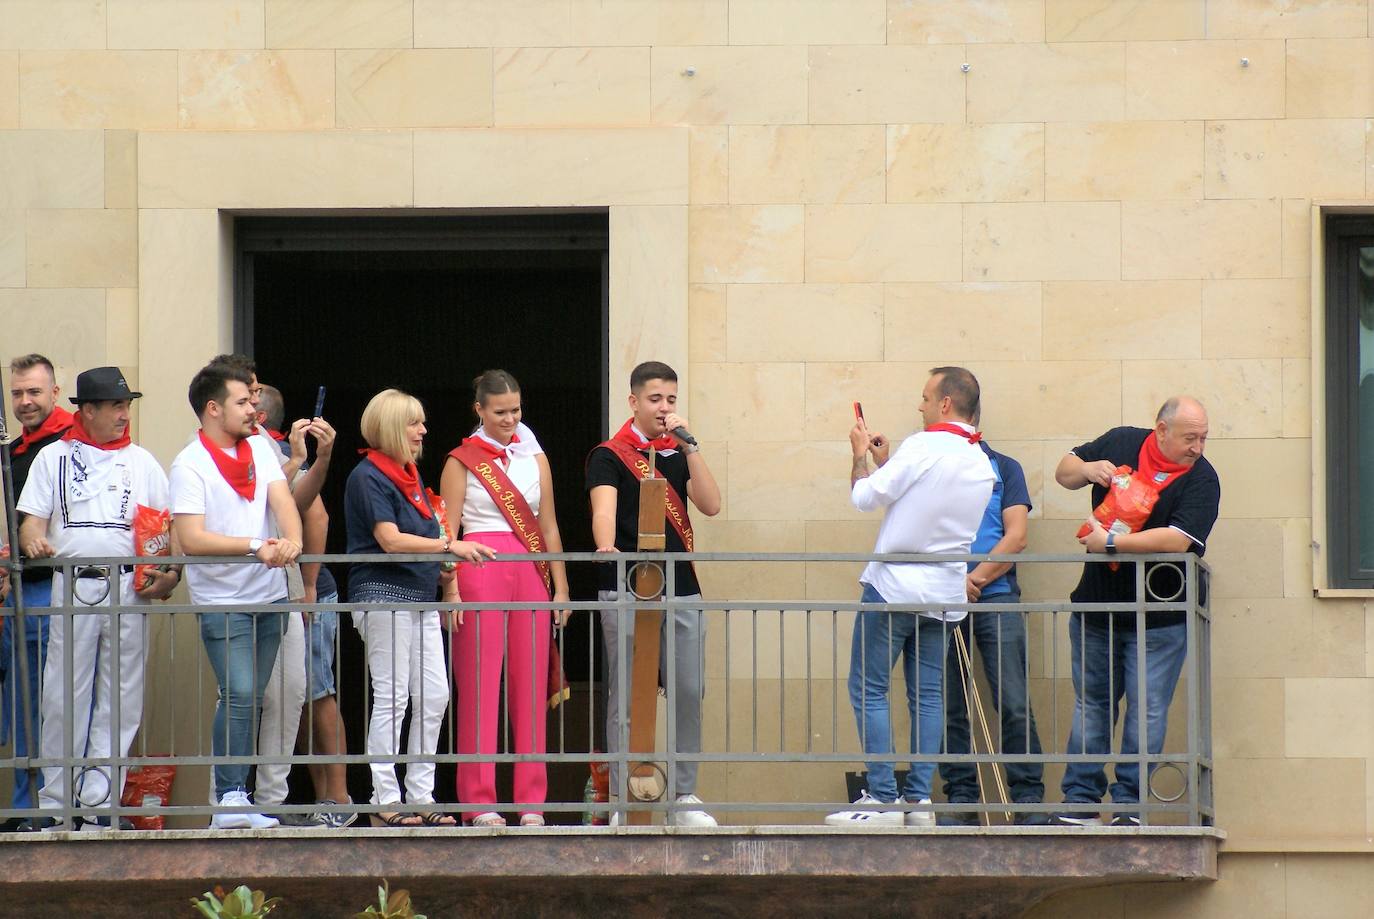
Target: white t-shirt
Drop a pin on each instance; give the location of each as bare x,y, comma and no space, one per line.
480,513
198,488
89,497
935,488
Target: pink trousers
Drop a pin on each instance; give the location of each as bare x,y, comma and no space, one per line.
486,640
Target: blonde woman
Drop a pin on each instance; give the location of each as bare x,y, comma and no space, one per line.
386,510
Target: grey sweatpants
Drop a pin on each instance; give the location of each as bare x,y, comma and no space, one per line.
688,644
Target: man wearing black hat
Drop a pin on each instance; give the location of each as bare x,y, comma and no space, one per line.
33,399
80,499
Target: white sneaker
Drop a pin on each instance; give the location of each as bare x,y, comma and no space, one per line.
919,817
860,816
694,817
240,798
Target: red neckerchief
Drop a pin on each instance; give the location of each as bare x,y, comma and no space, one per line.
78,432
489,448
275,435
627,435
406,479
57,422
237,470
955,429
1155,467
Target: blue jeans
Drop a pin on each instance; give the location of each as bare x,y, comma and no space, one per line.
242,648
879,639
36,594
1001,641
321,632
1105,669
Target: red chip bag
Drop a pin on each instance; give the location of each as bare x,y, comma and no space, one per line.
150,538
1130,499
440,508
148,786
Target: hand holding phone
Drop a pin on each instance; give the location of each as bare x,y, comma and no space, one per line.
858,411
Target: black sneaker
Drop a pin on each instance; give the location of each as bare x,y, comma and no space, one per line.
35,824
1077,818
1032,818
1126,820
958,818
335,820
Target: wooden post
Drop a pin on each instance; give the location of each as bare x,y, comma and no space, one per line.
649,581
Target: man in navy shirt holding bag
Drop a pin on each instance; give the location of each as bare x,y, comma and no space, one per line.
1104,645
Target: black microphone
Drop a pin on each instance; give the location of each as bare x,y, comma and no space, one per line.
683,435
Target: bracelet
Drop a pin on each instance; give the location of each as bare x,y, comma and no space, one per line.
689,449
447,543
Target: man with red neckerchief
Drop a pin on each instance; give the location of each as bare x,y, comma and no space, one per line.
933,491
1104,645
613,486
227,489
33,397
80,500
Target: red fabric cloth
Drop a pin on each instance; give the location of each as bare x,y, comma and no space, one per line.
487,447
275,435
955,429
626,435
78,432
57,422
1155,466
237,470
405,478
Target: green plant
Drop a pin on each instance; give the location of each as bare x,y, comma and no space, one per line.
391,905
239,903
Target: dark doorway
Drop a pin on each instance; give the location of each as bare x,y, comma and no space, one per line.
425,304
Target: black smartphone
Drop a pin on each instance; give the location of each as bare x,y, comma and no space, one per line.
319,404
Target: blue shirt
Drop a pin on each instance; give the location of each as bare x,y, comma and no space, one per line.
1008,491
369,499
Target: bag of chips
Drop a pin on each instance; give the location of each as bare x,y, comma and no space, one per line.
148,786
1129,502
151,529
440,508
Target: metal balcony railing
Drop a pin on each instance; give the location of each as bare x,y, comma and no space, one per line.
771,660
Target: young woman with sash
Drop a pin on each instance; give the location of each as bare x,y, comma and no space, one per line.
387,510
500,479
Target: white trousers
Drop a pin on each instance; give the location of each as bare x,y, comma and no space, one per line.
405,654
94,672
282,702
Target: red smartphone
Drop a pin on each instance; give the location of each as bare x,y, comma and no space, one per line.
858,411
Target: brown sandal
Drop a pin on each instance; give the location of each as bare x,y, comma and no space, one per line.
398,820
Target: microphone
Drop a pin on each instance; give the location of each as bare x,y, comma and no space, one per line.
684,435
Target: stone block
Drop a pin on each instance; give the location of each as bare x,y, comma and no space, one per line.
1297,238
1267,19
67,326
1042,242
553,86
736,401
1117,161
12,257
965,162
1201,239
855,243
1250,487
648,281
98,89
808,164
167,24
1324,887
1163,80
706,312
1122,320
810,22
1318,722
746,243
1315,158
1297,397
1243,397
1246,557
559,23
121,326
708,156
937,323
52,169
1330,78
121,169
1266,318
1301,811
778,322
729,85
256,90
933,22
1299,637
334,24
1080,81
420,87
886,85
1248,717
814,476
1124,20
9,89
53,24
82,248
544,168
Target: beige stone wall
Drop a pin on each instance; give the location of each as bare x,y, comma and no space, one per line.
811,202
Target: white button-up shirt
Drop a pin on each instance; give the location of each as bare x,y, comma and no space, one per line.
934,489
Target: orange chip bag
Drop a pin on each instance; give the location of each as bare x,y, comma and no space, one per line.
1129,502
440,508
150,538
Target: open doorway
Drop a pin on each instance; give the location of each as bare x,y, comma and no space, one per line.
425,304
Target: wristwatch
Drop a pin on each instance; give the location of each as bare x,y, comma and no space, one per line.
1111,543
254,545
689,449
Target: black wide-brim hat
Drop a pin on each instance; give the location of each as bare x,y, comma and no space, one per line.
103,384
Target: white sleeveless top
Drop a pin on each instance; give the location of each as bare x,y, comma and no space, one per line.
480,512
